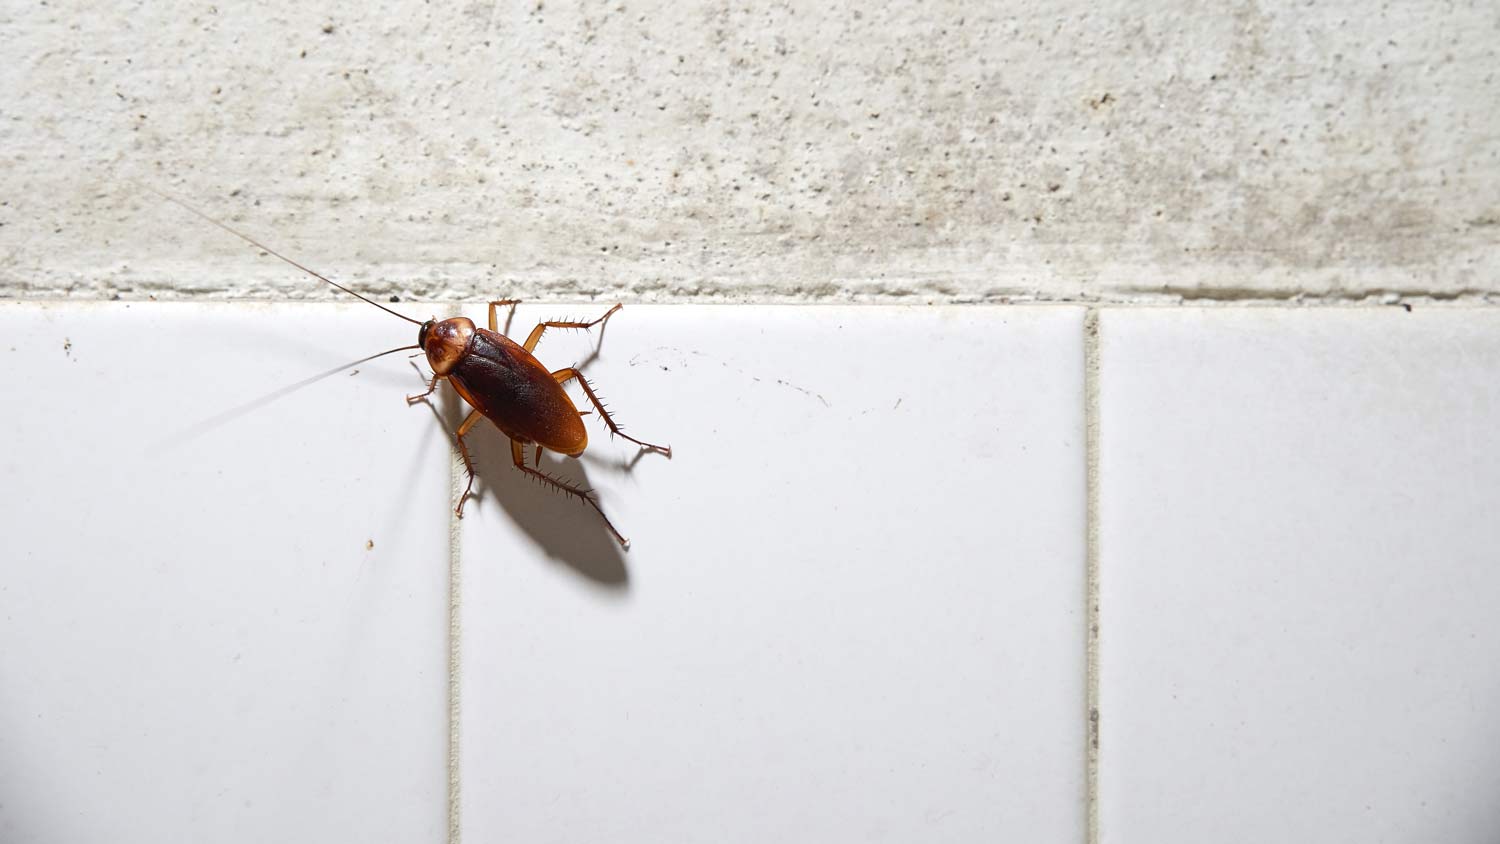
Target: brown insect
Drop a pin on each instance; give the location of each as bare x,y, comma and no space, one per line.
500,379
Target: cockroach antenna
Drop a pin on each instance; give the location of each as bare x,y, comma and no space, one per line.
269,251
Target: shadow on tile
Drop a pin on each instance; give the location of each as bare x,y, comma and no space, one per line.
567,530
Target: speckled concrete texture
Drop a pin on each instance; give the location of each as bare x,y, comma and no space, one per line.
914,151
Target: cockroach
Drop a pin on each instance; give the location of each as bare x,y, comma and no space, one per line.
500,379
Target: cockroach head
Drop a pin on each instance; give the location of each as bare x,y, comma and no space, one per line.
445,342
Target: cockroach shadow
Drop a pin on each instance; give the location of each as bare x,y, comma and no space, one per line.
566,529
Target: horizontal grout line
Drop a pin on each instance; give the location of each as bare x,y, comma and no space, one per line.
1374,284
1306,303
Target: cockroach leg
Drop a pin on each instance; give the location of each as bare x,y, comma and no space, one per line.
501,303
538,460
463,450
431,385
536,333
563,376
518,456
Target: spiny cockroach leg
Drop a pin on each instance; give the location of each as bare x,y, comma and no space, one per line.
563,376
536,333
463,450
431,385
500,303
518,456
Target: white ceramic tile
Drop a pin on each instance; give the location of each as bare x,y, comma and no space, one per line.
852,610
1300,573
228,633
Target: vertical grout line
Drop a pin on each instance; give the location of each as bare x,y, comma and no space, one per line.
455,572
1091,556
457,484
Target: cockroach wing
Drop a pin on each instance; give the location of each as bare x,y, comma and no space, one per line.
512,389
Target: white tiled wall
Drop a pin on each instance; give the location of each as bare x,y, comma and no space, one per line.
855,604
1300,564
223,632
852,609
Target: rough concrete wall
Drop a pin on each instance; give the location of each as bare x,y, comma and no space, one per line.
655,150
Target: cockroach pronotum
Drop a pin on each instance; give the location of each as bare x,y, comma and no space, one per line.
501,380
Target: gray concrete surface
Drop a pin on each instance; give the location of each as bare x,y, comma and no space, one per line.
649,150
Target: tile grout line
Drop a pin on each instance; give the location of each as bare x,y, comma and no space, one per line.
1091,557
1292,300
455,571
457,486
